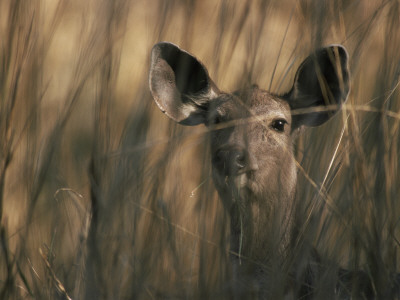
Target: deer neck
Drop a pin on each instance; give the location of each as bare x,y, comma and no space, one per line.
260,229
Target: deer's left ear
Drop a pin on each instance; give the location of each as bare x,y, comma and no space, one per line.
321,86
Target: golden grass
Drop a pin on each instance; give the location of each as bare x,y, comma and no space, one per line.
120,200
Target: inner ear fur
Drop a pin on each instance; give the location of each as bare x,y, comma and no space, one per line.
321,84
180,84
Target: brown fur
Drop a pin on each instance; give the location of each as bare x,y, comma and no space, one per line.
251,142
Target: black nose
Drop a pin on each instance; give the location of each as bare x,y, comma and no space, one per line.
230,162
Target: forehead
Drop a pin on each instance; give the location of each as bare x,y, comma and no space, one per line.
253,101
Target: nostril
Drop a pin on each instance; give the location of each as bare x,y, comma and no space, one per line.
239,161
220,157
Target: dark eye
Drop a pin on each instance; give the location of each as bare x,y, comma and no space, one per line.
218,118
279,125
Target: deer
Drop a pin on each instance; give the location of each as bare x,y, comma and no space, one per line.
251,133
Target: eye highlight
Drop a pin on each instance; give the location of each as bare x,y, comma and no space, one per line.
279,125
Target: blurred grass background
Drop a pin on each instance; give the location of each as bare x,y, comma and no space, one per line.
103,197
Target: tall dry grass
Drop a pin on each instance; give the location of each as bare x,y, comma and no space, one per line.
101,196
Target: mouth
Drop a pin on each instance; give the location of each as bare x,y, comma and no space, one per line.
239,181
238,187
241,186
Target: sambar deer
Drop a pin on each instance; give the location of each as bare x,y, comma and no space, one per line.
253,166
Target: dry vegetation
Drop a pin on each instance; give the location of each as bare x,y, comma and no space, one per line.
102,197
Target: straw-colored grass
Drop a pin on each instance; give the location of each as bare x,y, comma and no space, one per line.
103,197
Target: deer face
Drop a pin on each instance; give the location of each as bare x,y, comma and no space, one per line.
250,130
251,145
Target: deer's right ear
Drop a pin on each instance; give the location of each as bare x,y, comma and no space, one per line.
180,84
